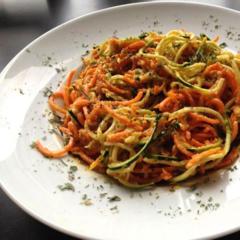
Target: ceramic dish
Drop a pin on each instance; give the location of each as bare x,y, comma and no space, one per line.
83,203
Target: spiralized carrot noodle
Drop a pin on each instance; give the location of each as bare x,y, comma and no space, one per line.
54,154
151,108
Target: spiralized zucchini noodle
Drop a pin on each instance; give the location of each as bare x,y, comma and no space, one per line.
150,109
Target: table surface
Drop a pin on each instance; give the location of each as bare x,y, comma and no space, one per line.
18,27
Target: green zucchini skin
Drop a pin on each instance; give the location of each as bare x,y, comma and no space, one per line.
73,117
128,162
204,148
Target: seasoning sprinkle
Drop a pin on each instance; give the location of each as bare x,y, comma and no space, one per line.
67,187
21,91
114,199
33,145
73,168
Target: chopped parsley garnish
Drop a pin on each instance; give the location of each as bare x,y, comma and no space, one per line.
203,35
47,92
169,129
203,55
67,187
186,36
192,189
55,120
198,194
33,145
86,53
210,199
73,168
84,45
84,197
223,45
71,172
114,199
21,91
115,208
58,70
44,138
102,195
143,35
86,201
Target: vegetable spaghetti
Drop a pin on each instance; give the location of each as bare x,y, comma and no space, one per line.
153,108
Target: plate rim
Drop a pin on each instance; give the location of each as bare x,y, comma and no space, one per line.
8,66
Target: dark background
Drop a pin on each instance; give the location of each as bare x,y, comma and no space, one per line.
21,21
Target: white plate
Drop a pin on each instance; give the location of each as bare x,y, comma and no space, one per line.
32,181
